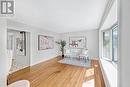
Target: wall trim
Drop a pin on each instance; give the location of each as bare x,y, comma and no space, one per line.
106,12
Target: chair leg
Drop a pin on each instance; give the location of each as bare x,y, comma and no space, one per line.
85,59
88,58
79,57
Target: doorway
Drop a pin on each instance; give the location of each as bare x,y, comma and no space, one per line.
18,47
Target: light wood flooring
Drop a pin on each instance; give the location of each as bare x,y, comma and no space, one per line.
53,74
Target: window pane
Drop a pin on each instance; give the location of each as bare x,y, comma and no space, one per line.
106,44
115,43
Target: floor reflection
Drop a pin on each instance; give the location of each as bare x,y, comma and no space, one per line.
89,80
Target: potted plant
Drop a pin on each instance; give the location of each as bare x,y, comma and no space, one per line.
62,44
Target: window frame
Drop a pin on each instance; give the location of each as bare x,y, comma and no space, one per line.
111,59
113,28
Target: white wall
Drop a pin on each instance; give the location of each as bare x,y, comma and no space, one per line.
92,41
3,55
124,63
36,55
109,21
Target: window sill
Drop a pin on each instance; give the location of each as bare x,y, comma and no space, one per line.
109,73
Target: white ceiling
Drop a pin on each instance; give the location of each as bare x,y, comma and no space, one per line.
60,15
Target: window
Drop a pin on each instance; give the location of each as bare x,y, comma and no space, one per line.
106,44
114,43
110,43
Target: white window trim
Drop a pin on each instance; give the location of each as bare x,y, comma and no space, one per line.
108,59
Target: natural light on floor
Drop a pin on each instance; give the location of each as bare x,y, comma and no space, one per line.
89,83
89,78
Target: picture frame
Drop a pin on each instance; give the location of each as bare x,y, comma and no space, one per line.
45,42
77,42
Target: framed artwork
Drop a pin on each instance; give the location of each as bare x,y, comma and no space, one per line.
77,42
45,42
21,43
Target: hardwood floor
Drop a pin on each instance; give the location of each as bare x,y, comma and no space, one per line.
54,74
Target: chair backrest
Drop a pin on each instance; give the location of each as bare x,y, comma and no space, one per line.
72,51
76,51
67,51
85,51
